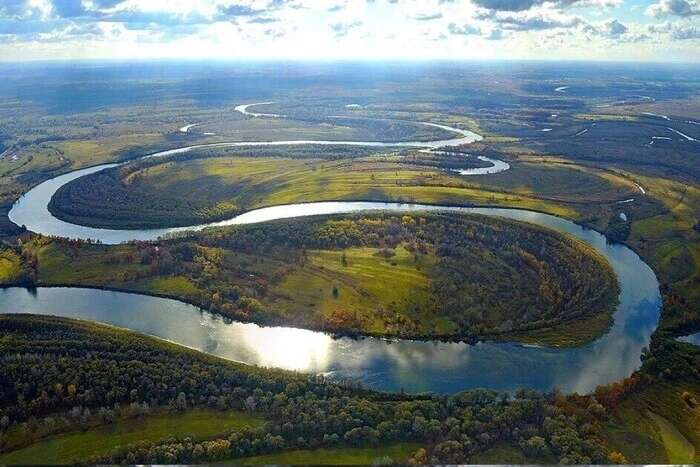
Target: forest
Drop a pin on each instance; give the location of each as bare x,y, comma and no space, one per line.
452,276
60,375
594,154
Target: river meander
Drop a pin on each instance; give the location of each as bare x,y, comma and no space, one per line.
394,365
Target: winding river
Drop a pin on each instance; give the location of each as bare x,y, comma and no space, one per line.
413,366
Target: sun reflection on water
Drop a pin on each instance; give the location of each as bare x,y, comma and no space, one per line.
289,348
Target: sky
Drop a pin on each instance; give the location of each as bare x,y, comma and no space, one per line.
637,30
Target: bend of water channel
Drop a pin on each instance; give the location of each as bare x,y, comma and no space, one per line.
391,365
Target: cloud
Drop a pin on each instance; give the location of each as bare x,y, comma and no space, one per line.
614,29
464,30
106,4
507,5
677,32
524,5
236,10
538,22
683,8
274,33
683,33
31,27
68,8
495,35
263,20
13,9
49,31
342,29
660,28
427,16
527,28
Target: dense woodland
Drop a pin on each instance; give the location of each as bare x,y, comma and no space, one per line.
59,374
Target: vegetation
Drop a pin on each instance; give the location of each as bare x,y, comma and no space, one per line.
393,453
655,413
59,373
188,189
599,146
10,266
437,275
100,437
14,269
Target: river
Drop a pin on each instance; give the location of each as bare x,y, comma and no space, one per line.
393,365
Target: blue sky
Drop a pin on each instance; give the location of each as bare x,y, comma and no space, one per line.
656,30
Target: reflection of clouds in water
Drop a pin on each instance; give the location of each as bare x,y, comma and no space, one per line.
388,365
603,361
414,355
613,354
211,343
691,339
641,321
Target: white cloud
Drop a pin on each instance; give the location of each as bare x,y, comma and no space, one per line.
683,8
340,29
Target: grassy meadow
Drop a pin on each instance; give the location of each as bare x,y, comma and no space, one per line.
81,446
11,268
395,453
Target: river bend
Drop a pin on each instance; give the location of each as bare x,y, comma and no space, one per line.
393,365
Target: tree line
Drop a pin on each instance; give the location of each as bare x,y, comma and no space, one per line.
58,371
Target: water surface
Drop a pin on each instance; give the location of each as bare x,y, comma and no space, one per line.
691,339
394,365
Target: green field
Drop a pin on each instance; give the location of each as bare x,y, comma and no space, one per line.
503,453
376,285
366,286
642,434
306,417
80,446
678,449
394,453
10,266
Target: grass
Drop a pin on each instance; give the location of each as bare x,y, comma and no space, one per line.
366,282
668,241
569,334
10,266
504,453
88,152
559,182
364,290
398,453
391,280
678,448
655,425
88,266
79,446
170,285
